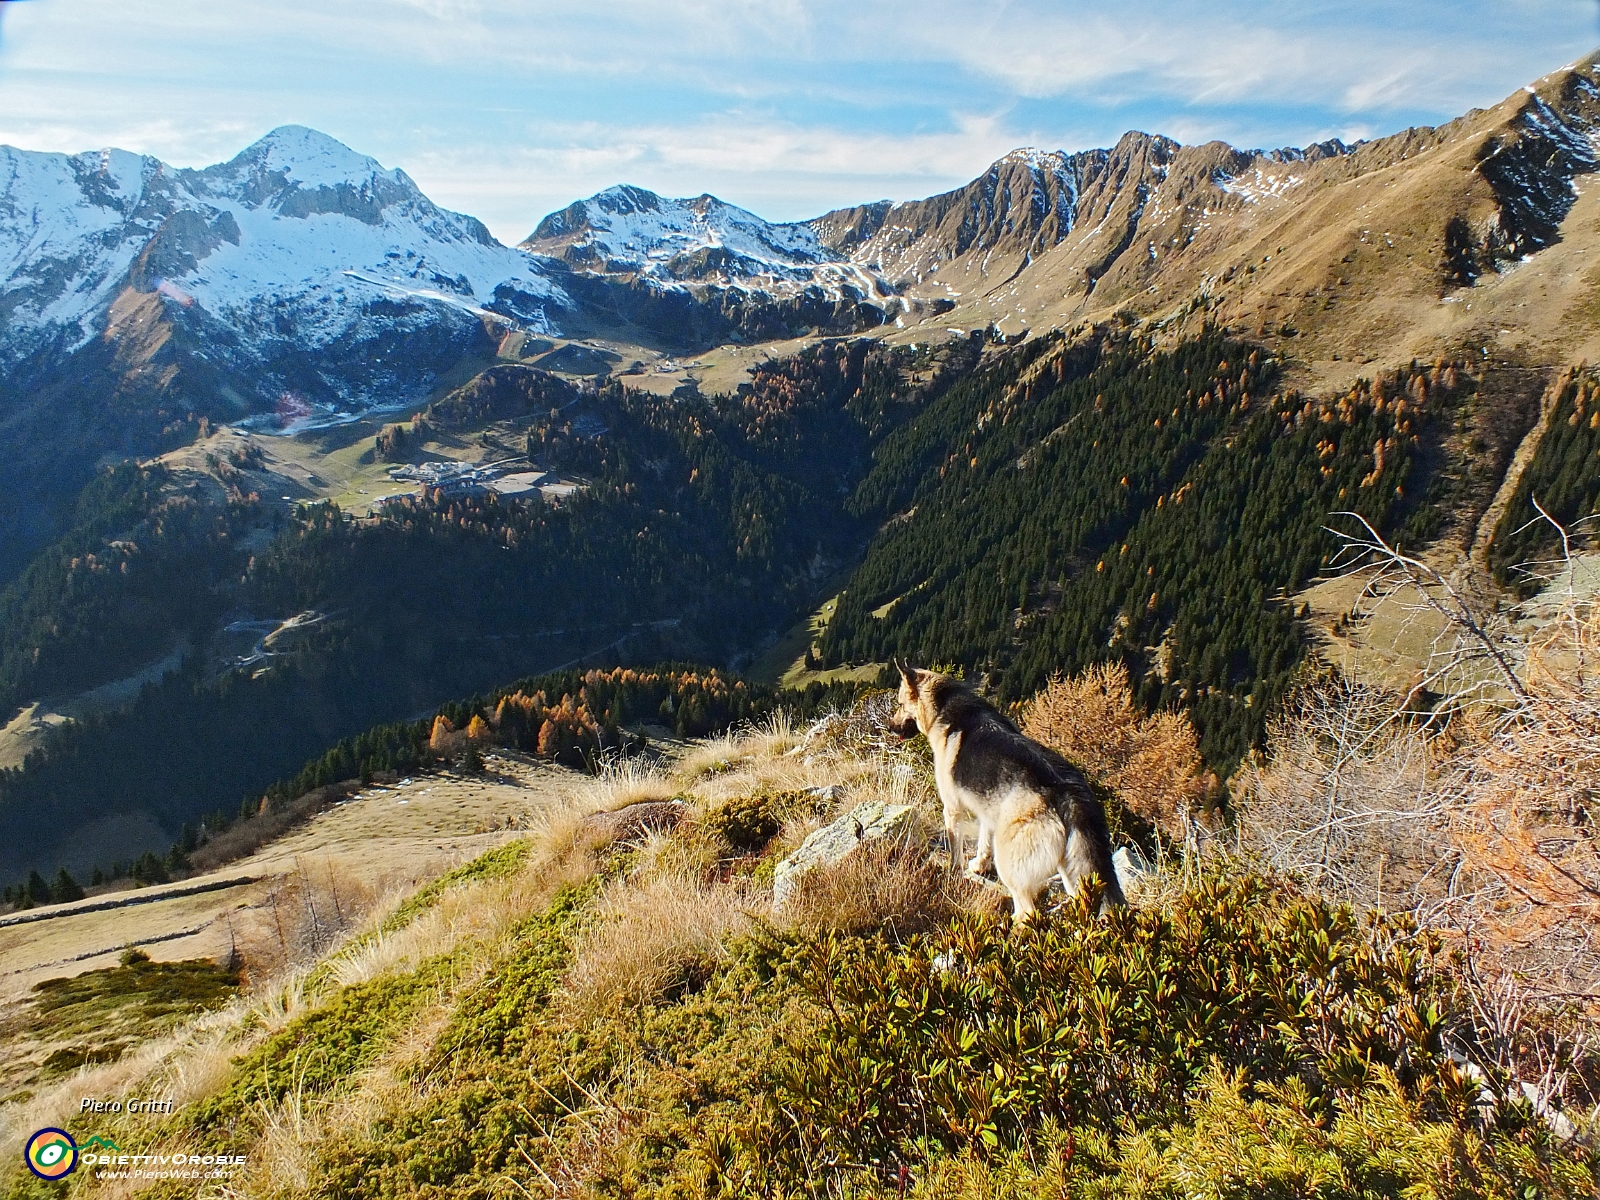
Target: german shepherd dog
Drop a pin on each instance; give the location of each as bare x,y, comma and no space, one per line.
1037,815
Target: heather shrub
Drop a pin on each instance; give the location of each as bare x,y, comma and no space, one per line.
1243,1143
1130,1031
745,823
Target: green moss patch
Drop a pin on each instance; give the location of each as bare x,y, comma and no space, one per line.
99,1014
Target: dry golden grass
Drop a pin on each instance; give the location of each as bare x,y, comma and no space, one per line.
1151,762
652,935
685,894
561,843
689,851
761,741
888,882
475,912
619,784
301,1135
187,1064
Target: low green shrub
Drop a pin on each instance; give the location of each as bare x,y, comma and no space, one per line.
151,993
745,823
317,1053
1239,1040
967,1042
116,1007
1276,1146
518,1091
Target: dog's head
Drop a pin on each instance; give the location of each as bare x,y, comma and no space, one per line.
915,712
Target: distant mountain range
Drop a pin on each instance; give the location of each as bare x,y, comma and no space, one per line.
302,268
304,280
1480,232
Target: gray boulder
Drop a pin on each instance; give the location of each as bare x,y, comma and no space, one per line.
833,843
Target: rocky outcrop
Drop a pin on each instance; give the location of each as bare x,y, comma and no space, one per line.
631,822
1026,202
835,842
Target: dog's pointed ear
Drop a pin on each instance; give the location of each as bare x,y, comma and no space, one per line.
910,674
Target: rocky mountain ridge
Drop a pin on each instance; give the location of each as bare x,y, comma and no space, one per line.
1412,245
1477,233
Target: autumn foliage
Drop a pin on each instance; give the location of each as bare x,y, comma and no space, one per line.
1152,762
572,717
575,726
1522,816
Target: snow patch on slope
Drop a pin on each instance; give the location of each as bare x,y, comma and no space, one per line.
70,228
1258,185
306,262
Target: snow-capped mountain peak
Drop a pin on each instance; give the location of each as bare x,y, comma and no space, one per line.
307,158
631,230
296,244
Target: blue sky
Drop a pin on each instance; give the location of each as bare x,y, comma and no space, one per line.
508,110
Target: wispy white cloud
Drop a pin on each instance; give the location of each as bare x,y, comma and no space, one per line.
781,170
1369,57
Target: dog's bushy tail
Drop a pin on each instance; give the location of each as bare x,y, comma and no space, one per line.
1089,841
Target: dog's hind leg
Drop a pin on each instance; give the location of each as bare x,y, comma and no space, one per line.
1030,845
1081,859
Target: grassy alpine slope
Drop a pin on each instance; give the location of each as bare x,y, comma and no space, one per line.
573,1016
